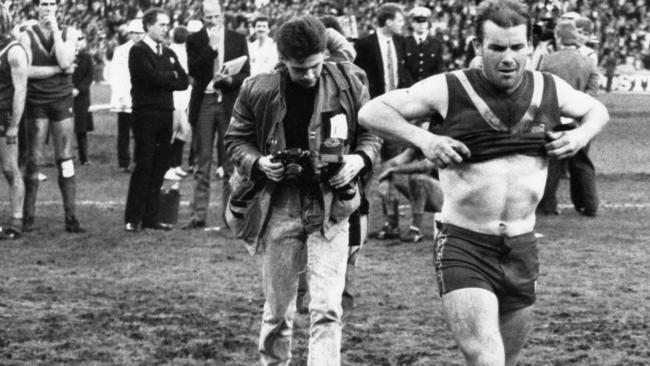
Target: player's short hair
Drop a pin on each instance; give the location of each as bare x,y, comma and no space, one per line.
301,37
150,17
6,21
504,13
179,35
388,11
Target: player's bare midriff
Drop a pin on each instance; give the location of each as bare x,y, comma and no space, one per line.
497,197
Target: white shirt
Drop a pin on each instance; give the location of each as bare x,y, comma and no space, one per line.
220,50
181,97
384,43
152,44
263,57
120,79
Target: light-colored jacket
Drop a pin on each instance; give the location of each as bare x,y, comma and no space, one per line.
120,79
256,129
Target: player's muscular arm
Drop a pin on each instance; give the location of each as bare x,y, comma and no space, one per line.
36,72
591,114
64,50
388,115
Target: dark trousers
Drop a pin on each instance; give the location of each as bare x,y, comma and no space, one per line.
212,122
177,153
124,122
82,146
152,132
582,179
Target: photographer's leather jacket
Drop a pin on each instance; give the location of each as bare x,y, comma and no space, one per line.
256,128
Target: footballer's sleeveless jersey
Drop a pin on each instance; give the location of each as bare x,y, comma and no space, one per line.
6,83
492,123
44,91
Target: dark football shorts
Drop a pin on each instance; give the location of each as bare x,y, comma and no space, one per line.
54,111
506,266
5,121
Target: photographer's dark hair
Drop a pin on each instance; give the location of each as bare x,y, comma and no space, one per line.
387,12
150,17
301,37
504,13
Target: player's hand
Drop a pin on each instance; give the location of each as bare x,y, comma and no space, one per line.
75,92
352,165
444,151
565,144
273,170
214,36
70,70
11,135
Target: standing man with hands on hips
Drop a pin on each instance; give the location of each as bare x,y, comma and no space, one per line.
492,150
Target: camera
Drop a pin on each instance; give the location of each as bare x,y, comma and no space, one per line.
331,154
294,160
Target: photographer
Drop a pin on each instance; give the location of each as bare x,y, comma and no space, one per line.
284,125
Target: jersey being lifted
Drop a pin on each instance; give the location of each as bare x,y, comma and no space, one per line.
44,91
492,123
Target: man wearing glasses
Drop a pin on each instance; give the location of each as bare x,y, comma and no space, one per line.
49,108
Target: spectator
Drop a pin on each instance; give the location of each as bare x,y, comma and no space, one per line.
81,79
263,51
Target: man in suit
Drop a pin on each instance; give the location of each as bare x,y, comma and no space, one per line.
422,58
211,103
380,55
155,74
121,93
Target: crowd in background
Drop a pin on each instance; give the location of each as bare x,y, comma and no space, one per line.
622,27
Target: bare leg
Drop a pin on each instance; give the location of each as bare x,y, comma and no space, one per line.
12,174
515,328
472,314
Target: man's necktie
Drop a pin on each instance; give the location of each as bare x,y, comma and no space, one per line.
391,66
158,49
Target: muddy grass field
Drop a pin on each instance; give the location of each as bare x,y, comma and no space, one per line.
194,298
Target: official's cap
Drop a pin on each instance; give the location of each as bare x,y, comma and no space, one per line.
135,26
420,14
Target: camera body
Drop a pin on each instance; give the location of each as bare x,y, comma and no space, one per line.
295,162
331,155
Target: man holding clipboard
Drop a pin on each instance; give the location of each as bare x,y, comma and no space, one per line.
218,62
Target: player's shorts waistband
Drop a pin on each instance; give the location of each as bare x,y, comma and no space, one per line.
487,239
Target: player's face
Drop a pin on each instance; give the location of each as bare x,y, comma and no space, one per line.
305,72
158,30
46,7
504,52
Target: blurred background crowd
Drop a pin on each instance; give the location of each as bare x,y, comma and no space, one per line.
621,27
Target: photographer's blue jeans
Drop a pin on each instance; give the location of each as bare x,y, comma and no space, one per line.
282,261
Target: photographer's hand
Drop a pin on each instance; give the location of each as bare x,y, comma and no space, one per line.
352,165
273,170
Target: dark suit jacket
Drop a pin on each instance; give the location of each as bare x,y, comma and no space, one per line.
422,61
369,59
200,59
81,79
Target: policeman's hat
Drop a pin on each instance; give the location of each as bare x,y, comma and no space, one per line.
420,14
